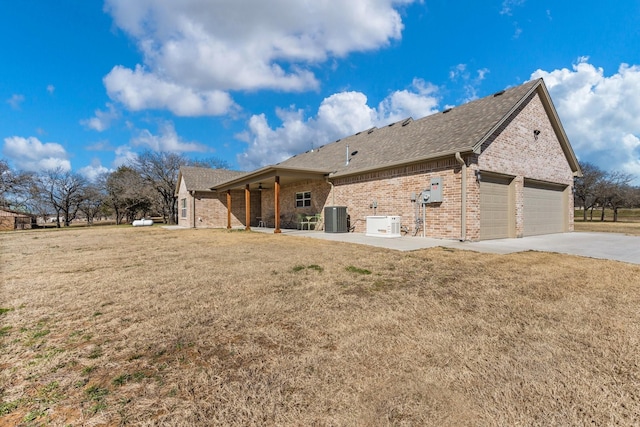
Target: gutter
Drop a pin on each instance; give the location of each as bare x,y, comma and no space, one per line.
193,207
368,169
333,194
463,198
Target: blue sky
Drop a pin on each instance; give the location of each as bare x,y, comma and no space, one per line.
86,85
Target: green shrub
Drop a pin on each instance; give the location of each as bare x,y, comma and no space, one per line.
352,269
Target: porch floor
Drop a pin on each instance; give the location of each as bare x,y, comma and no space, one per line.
404,243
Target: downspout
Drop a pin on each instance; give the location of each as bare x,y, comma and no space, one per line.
333,195
463,198
193,208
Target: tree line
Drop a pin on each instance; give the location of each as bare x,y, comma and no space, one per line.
598,190
142,188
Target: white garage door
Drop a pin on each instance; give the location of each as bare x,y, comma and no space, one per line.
544,209
494,208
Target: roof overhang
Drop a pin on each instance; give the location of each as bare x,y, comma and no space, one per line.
559,129
178,181
368,169
268,174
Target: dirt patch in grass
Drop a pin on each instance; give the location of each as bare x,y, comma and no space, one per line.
207,327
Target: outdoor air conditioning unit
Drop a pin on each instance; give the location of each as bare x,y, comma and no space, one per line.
383,226
335,219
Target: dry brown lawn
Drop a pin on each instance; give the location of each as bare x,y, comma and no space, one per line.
145,326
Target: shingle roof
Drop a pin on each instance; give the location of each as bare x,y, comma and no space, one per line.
455,130
202,179
461,130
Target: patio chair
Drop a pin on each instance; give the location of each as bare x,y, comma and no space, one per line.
311,220
299,221
318,222
268,220
288,222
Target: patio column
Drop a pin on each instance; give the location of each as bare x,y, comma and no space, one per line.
277,204
228,208
247,207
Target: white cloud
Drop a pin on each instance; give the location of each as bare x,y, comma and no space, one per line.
15,101
51,89
471,83
94,170
601,114
32,155
507,9
339,115
459,70
124,156
421,101
140,90
508,5
167,140
103,145
102,120
201,50
518,30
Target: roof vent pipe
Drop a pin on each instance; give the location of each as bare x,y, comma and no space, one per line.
347,163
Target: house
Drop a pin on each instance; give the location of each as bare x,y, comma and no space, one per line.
200,207
497,167
13,220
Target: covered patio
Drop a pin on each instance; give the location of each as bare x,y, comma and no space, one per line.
268,181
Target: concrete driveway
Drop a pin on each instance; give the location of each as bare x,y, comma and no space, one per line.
617,247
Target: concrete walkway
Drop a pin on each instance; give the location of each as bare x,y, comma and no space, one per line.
612,246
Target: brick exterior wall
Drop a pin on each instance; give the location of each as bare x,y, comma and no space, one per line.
392,190
319,198
211,208
7,223
11,221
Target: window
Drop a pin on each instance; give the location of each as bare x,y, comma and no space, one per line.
183,208
303,199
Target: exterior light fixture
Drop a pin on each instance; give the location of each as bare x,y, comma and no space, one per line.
535,134
478,175
260,187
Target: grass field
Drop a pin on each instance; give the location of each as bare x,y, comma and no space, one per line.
145,326
624,215
631,228
628,222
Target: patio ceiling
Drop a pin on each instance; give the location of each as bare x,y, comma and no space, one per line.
267,177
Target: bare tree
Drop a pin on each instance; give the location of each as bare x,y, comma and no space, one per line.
14,187
91,203
588,186
127,193
160,170
616,192
209,162
635,197
65,191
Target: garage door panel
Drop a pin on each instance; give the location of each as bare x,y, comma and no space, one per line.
544,210
494,209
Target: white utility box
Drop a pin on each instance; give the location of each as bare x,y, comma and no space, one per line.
383,226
